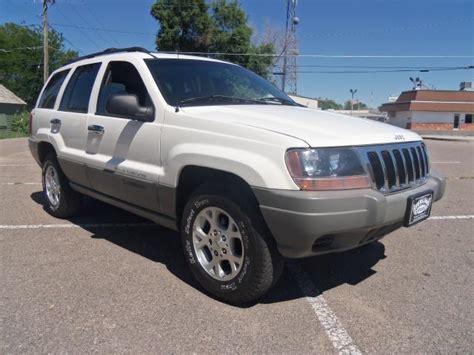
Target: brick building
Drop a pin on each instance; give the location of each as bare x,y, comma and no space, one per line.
432,110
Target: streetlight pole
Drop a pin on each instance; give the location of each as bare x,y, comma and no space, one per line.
352,91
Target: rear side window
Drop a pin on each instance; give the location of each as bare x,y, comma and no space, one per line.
50,93
78,91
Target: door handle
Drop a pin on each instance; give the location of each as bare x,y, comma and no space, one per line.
55,121
96,129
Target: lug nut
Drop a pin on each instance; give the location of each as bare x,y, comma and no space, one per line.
224,250
224,238
216,253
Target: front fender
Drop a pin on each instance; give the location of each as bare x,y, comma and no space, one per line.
256,169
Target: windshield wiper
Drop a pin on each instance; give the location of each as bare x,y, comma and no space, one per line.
216,97
278,99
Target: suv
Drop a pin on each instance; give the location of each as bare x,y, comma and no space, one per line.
214,151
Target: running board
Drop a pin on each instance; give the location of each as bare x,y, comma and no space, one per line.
160,219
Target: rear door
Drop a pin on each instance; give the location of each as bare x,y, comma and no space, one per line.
69,122
47,105
123,154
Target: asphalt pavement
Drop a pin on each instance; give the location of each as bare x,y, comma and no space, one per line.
108,281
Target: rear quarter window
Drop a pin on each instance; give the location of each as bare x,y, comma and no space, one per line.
78,91
50,93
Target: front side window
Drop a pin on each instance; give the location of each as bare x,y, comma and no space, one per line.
78,91
185,82
122,78
51,91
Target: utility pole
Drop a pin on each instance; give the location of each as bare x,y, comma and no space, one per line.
45,39
352,91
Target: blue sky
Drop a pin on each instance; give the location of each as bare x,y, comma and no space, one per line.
334,27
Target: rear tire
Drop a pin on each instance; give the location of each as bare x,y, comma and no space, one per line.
60,200
228,247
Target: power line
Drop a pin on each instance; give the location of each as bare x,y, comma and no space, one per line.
79,29
388,30
379,71
9,50
99,23
68,41
343,56
87,23
370,67
104,29
410,68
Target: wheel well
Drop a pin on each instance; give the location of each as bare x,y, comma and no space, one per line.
44,148
192,177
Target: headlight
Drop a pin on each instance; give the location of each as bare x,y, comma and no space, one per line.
326,169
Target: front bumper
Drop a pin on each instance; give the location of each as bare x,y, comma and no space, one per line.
306,223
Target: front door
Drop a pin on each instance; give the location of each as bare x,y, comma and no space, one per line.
123,154
456,121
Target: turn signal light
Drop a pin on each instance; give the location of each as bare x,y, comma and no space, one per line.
333,183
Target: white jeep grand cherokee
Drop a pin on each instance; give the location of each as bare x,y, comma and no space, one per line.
210,149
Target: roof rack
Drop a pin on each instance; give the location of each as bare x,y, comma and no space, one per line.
111,51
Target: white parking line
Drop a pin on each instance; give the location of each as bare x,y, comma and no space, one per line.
453,217
445,162
71,225
144,224
17,165
19,183
340,339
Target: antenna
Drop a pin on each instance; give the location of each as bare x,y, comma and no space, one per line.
290,49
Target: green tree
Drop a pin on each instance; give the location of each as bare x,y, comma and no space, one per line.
222,26
185,25
358,105
21,58
328,104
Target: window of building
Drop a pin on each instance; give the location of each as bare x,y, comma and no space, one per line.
78,91
50,93
121,78
456,121
468,118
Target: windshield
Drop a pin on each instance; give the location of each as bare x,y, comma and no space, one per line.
187,82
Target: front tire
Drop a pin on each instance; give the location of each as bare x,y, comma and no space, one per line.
227,246
61,200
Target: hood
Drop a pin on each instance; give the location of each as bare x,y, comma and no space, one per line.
316,128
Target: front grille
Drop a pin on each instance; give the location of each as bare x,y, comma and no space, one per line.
395,167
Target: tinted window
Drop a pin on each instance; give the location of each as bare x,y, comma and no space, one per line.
50,93
198,82
122,78
78,91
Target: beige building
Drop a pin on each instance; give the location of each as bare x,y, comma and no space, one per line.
432,110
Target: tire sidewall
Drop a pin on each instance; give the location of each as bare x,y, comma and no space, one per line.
192,209
49,162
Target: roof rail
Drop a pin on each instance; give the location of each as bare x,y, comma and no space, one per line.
111,51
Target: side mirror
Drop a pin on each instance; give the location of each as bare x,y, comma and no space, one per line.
127,105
